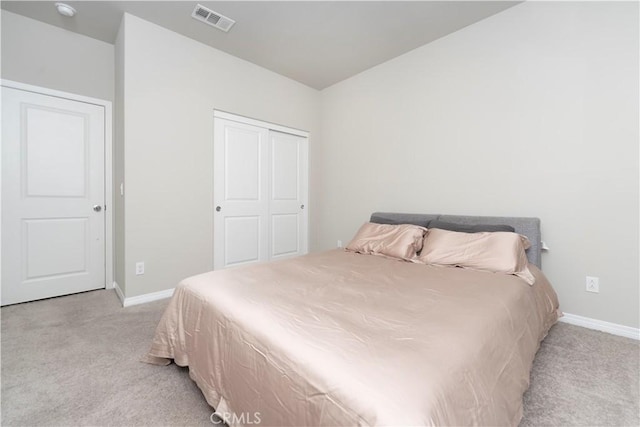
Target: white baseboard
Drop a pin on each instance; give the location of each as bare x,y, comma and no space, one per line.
141,299
601,325
118,292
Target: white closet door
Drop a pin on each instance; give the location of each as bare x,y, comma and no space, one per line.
53,239
240,193
288,195
260,192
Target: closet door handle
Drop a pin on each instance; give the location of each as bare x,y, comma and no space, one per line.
301,206
218,208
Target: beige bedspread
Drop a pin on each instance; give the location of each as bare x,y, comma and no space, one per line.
338,338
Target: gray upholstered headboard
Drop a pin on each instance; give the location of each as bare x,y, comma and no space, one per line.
529,227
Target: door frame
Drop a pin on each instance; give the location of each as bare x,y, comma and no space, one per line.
219,114
108,163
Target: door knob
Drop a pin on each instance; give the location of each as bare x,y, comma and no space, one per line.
97,208
218,208
301,206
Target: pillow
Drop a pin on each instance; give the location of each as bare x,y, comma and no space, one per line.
498,252
468,228
402,241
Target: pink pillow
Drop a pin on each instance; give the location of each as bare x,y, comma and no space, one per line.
402,241
498,252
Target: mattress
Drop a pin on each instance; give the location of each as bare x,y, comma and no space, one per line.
339,338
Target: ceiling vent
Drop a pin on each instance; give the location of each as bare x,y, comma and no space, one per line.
212,18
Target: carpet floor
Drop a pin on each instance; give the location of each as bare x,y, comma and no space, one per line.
74,361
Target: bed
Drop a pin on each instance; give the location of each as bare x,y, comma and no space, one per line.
340,338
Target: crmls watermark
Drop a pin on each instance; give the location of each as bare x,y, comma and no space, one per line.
243,418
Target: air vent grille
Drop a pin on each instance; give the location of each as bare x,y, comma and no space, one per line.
212,18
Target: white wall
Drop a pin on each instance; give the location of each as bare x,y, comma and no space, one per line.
531,112
172,84
44,55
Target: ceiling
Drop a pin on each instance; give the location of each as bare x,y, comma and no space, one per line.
317,43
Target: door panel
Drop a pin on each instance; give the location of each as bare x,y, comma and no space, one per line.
287,206
55,157
285,231
243,240
55,247
285,158
240,188
53,242
242,163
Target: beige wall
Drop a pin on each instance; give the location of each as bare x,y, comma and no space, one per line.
531,112
44,55
172,84
118,161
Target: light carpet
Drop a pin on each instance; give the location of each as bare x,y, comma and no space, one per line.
74,361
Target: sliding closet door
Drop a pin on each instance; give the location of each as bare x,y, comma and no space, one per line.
260,193
240,193
288,196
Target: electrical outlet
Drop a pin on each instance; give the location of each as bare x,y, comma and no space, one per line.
593,284
339,243
139,268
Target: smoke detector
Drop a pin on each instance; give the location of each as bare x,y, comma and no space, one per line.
65,10
212,18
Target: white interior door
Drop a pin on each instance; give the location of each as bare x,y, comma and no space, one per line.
288,195
240,193
53,239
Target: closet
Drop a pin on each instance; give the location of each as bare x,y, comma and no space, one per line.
260,191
